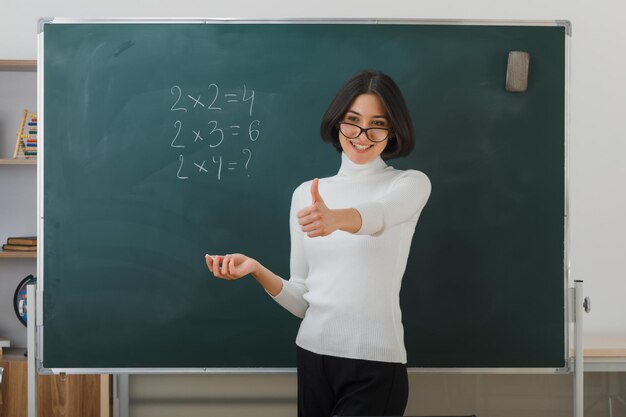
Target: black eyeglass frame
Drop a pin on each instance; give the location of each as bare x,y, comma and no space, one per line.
363,129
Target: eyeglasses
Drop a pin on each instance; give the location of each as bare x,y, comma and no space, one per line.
373,134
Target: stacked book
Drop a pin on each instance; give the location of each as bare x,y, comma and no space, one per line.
21,244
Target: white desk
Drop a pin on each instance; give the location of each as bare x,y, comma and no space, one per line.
605,353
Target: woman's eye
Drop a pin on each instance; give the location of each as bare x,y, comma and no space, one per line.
380,123
352,119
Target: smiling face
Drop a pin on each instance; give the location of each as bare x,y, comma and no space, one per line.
366,111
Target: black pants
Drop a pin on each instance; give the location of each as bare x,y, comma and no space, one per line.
331,386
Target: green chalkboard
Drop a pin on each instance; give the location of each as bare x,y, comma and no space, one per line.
164,142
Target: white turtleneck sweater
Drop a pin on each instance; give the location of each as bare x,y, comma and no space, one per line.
346,286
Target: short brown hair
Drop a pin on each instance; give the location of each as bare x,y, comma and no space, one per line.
402,139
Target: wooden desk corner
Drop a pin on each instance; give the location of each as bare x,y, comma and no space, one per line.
605,352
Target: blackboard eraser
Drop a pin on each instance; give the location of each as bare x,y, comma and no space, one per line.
517,72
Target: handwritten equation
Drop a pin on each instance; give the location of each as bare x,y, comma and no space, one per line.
213,131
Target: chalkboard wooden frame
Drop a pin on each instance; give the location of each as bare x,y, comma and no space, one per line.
130,369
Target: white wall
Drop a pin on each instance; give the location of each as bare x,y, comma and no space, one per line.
597,146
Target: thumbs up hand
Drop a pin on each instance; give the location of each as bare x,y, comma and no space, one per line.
317,219
315,191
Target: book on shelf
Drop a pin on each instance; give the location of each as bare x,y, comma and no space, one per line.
22,240
20,244
19,248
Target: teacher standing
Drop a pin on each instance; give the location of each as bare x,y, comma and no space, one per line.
350,240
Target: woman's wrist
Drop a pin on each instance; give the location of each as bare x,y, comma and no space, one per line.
348,220
255,268
268,280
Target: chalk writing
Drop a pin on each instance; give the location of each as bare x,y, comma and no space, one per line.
250,98
197,136
219,171
217,130
178,125
210,130
201,167
217,92
249,156
254,133
176,91
182,159
196,101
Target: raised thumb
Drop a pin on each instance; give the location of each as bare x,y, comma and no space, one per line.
315,194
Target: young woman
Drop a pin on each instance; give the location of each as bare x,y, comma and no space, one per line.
350,240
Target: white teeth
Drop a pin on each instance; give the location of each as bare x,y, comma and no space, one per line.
360,147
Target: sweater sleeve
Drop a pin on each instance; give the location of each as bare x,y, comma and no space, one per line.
406,198
291,297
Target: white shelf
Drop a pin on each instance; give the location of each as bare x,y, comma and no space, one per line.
30,161
18,254
22,65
